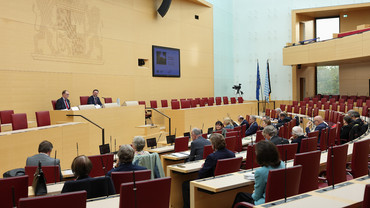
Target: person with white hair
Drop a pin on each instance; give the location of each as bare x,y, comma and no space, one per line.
138,144
278,111
297,136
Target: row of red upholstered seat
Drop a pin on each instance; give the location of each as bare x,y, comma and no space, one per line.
19,120
193,103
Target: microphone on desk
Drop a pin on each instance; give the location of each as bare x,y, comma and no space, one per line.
103,166
77,147
55,169
159,138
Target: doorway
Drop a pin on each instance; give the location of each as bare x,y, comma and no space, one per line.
302,88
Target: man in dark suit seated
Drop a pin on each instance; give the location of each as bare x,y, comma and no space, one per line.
63,102
95,187
197,145
297,136
253,126
284,118
209,166
320,125
270,133
242,121
125,154
94,99
45,148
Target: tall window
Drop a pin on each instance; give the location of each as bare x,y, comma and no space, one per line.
327,77
327,80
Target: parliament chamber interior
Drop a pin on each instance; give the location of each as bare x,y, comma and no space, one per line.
184,103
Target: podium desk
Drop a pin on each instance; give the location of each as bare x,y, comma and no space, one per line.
119,123
183,119
20,144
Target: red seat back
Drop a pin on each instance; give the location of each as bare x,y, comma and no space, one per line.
359,164
20,186
323,137
6,116
289,108
365,111
319,105
282,107
225,100
283,181
349,107
43,118
327,115
339,162
233,100
349,101
73,199
232,133
83,100
175,104
368,103
326,106
231,143
268,111
306,99
128,176
273,114
101,164
303,110
54,103
308,144
309,111
259,136
366,202
52,173
296,109
310,162
202,103
211,99
207,150
332,136
287,151
342,107
295,102
153,104
315,100
142,103
324,100
359,103
302,103
108,100
185,104
334,107
251,159
19,121
164,103
218,100
313,134
181,144
315,112
193,103
228,165
149,193
240,100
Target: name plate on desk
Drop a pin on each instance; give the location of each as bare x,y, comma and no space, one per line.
287,200
335,187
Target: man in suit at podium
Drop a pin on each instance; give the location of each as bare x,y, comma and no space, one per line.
63,102
94,99
45,148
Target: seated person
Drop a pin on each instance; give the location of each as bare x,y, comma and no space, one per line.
265,122
268,158
320,125
94,99
197,145
125,154
209,166
63,102
253,126
228,123
357,118
346,128
270,133
242,121
219,126
95,187
278,111
297,136
138,144
45,148
284,118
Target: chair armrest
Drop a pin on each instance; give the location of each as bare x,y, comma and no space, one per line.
244,204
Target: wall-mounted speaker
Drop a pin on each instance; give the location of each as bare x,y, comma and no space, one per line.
163,9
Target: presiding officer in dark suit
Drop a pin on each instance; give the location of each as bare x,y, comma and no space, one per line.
125,154
197,145
94,99
63,102
209,166
270,133
45,148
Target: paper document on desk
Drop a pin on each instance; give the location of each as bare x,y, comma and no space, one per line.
249,176
181,154
67,172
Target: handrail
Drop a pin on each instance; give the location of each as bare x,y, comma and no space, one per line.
169,119
102,129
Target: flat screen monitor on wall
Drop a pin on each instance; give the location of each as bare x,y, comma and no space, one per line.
166,62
